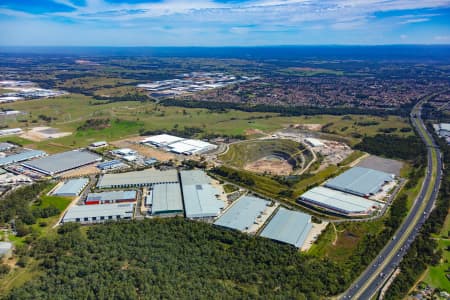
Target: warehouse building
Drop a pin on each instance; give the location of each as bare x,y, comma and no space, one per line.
111,197
289,227
6,146
166,200
19,157
339,202
360,181
62,162
72,187
200,197
161,140
91,214
243,213
143,178
314,142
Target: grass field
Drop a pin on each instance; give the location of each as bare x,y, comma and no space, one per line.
71,111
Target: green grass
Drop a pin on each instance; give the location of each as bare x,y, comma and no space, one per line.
435,275
59,202
351,158
71,111
315,179
229,188
19,276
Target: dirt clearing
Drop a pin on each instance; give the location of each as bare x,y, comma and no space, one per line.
144,150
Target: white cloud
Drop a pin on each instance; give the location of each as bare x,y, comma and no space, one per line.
418,20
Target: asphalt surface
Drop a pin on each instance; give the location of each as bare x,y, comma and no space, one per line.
376,274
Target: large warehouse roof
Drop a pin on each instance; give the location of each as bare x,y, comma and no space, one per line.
360,181
138,178
29,154
288,226
338,201
105,210
243,213
63,161
72,187
166,198
162,139
111,196
199,196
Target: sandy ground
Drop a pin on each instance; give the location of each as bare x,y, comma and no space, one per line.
148,151
83,171
312,127
38,134
315,232
275,167
253,131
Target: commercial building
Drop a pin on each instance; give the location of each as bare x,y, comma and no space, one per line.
243,213
62,162
6,146
199,196
123,152
289,227
90,214
111,165
360,181
161,140
339,202
72,187
19,157
166,199
143,178
111,197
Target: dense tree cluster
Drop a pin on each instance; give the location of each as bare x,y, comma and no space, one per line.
96,124
175,259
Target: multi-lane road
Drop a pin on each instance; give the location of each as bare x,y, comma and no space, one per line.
374,277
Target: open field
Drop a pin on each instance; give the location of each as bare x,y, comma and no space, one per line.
304,71
69,112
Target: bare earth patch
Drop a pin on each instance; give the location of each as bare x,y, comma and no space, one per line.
148,151
274,167
312,127
251,131
38,134
83,171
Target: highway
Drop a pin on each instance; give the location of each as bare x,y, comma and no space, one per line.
373,278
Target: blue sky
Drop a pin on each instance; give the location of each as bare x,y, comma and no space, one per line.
222,22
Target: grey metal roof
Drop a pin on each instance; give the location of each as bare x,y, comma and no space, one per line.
166,198
145,177
111,196
288,226
6,146
338,201
360,181
72,187
243,213
5,247
105,210
194,177
28,154
63,161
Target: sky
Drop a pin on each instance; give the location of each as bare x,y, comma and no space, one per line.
223,22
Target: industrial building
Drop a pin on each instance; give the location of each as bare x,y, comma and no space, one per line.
72,187
143,178
6,146
111,197
360,181
443,130
179,145
289,227
243,213
19,157
10,131
90,214
166,199
339,202
200,197
99,144
62,162
111,165
314,142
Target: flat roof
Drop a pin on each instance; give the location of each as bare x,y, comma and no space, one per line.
288,226
166,198
6,146
360,181
162,139
89,211
63,161
145,177
200,201
72,186
243,213
28,154
111,196
194,177
338,201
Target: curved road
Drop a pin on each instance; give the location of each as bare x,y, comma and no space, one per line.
373,278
